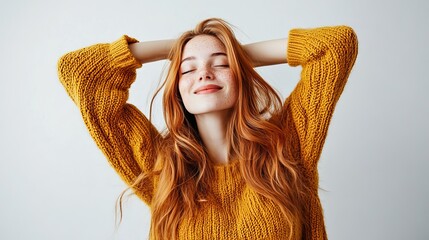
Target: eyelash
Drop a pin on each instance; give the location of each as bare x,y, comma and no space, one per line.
187,72
222,65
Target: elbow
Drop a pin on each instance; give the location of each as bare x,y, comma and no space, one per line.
347,42
65,73
62,70
344,46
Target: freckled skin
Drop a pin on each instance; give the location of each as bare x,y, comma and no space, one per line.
206,64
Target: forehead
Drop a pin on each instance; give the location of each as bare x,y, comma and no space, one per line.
202,45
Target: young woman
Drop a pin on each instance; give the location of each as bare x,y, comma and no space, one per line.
234,162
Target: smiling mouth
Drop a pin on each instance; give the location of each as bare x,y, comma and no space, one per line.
208,89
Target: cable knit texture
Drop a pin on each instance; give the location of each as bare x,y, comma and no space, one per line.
98,77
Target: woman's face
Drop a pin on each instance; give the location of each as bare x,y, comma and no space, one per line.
206,82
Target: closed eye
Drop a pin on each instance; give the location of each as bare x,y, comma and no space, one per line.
222,65
185,72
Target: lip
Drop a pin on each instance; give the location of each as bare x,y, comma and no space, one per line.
210,88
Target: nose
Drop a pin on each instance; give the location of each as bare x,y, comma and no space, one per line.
205,74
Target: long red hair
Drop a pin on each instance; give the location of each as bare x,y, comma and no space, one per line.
256,137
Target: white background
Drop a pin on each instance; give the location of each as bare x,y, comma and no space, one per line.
56,184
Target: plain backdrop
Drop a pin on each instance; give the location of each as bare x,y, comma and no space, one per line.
56,184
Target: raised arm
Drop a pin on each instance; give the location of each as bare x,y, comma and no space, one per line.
151,51
97,78
267,52
326,56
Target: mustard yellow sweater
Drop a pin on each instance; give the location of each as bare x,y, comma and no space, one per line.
98,77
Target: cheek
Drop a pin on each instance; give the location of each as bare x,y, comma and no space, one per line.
183,85
232,88
232,82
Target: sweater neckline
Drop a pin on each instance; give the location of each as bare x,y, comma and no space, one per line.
230,164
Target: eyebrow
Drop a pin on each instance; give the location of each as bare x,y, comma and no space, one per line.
212,55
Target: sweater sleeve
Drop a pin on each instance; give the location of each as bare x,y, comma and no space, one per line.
97,78
327,56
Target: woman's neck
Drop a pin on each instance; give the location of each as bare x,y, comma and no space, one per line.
212,130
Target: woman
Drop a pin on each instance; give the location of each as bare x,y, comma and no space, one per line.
234,162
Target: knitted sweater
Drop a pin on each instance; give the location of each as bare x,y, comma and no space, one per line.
98,77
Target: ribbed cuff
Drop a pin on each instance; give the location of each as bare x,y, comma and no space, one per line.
121,54
296,46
